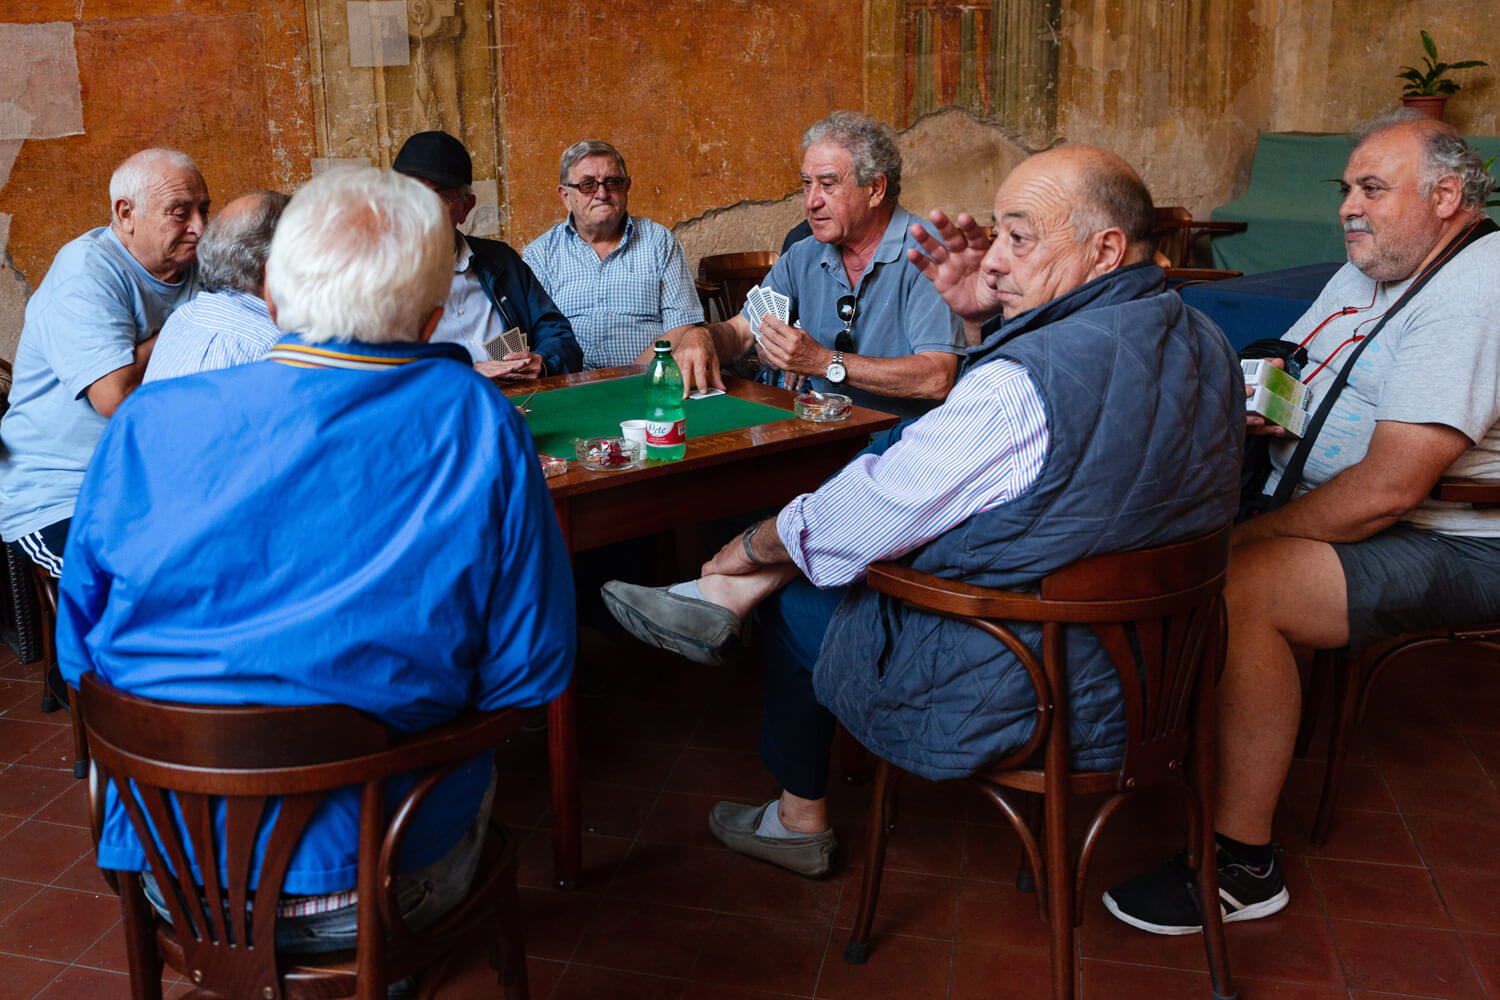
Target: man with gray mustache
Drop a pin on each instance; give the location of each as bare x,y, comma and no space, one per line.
1359,551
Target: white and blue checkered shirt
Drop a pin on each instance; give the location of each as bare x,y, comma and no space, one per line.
214,330
619,305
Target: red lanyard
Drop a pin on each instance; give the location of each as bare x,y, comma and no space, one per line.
1347,310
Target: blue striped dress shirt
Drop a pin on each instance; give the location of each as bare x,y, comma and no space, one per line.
984,446
214,330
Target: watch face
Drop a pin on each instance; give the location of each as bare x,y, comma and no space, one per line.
835,372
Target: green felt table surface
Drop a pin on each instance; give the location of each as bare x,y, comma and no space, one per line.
560,416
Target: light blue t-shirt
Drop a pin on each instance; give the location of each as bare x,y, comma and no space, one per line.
94,306
900,313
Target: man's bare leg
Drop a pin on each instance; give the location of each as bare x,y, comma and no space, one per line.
1280,592
801,815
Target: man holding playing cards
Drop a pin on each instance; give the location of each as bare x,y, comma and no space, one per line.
867,324
496,309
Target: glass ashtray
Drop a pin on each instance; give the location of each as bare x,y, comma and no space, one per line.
823,409
609,454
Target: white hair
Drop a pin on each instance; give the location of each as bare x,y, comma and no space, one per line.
132,178
360,254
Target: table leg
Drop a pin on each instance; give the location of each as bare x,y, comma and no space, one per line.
562,753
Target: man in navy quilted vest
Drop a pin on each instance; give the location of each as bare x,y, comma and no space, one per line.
1094,414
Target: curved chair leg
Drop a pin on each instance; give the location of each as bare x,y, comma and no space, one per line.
1345,701
881,811
1025,877
1206,847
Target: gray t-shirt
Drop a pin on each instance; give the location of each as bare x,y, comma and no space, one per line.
1436,362
94,306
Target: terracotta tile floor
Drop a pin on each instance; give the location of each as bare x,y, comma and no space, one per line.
1403,902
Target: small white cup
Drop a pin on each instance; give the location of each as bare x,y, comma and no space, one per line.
634,430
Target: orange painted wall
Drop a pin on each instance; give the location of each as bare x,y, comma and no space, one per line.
226,81
706,100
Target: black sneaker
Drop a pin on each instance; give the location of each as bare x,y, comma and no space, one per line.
1166,901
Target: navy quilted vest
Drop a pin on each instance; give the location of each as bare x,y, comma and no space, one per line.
1146,415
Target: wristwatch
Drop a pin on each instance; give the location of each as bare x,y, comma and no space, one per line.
835,372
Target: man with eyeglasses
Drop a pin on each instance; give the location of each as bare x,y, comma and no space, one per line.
621,280
867,324
494,295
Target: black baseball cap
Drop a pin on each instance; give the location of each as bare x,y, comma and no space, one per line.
437,157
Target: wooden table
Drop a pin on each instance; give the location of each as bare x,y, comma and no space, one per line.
723,474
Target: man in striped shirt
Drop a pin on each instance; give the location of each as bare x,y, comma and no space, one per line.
227,323
1034,460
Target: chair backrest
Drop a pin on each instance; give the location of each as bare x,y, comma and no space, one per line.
267,768
1158,613
736,273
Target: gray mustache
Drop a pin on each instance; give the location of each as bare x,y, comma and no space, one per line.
1357,225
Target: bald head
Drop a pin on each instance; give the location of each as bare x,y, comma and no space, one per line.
232,253
1063,218
159,206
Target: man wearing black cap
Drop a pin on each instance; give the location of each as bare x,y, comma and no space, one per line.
494,294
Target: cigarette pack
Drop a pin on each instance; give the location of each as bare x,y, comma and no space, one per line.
1260,372
1278,410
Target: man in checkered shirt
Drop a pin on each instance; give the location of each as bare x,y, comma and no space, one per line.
622,281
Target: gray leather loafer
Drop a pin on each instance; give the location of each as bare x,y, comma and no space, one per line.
698,630
735,825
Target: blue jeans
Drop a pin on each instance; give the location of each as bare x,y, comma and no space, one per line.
422,896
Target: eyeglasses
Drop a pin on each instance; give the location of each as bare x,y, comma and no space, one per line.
847,308
587,186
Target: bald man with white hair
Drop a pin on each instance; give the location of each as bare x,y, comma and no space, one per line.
87,338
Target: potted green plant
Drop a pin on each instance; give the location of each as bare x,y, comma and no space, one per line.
1427,88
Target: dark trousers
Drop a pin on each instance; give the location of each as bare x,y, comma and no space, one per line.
796,733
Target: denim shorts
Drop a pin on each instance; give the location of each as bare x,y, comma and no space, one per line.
1406,579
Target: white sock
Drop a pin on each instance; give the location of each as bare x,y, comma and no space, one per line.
688,588
771,825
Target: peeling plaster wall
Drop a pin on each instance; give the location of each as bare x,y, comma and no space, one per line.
707,99
226,81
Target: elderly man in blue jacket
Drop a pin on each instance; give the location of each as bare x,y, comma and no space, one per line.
1095,414
319,528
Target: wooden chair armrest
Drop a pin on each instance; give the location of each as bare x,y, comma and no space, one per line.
1180,276
1206,225
1481,493
951,597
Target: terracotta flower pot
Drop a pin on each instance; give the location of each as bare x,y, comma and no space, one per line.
1431,106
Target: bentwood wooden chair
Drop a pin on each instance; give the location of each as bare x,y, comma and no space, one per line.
1174,233
55,693
268,769
735,274
1159,615
1352,673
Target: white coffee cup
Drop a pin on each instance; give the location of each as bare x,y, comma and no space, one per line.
634,430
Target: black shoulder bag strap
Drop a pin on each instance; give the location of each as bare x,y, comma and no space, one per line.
1293,473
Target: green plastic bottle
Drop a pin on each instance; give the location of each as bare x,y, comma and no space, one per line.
666,424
